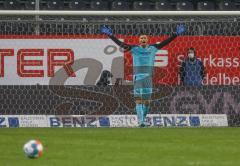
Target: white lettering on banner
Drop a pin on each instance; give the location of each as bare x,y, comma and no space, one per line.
34,61
187,120
218,79
153,120
161,59
221,79
33,121
23,121
210,61
214,120
73,121
170,120
123,120
4,122
221,62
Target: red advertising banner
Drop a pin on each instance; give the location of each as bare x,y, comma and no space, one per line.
219,54
58,60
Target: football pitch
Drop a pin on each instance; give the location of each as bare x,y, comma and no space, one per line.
123,147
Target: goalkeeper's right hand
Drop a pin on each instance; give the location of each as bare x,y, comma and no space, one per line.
106,30
180,29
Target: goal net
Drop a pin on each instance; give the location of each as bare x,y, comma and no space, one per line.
64,68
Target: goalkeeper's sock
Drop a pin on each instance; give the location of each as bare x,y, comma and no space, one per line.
140,113
146,110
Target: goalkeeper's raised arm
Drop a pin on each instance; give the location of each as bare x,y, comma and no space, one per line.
180,30
108,31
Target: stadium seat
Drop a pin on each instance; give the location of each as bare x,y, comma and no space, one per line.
184,5
77,5
120,5
55,4
226,5
205,6
12,5
99,5
163,5
30,5
141,5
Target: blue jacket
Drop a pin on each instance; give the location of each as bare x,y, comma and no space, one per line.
192,72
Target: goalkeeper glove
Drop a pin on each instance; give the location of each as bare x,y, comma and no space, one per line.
106,30
180,29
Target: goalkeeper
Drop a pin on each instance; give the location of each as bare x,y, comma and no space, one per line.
143,67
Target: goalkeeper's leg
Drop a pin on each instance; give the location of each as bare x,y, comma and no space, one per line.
143,99
142,93
142,109
147,92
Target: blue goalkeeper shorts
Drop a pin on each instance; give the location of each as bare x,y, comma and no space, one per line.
143,86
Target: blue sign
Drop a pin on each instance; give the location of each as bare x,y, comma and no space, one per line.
13,122
104,122
194,121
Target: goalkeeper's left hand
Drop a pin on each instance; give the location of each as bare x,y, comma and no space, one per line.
180,29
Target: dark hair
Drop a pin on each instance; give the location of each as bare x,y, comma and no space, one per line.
191,48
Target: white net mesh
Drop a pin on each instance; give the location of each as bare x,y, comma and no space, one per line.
214,38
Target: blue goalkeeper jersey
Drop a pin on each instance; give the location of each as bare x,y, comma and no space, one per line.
143,56
143,59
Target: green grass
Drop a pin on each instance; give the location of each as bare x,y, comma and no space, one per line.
123,147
